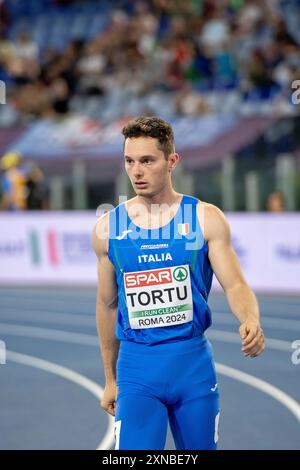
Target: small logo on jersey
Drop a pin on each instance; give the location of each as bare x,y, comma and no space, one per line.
184,229
180,274
153,247
123,234
213,389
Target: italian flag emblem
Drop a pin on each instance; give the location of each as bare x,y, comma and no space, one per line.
183,229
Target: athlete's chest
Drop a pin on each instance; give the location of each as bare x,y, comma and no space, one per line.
146,254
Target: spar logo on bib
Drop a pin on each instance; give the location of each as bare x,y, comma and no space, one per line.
148,278
159,297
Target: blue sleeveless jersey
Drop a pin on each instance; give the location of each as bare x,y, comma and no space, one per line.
163,276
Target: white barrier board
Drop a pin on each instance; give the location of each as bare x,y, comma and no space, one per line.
55,247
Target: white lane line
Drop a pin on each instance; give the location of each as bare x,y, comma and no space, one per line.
38,311
50,317
92,340
38,305
47,294
276,311
38,300
283,398
46,333
107,442
88,307
276,323
228,337
281,315
280,300
72,376
276,300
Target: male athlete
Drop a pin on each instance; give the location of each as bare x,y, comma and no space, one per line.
157,253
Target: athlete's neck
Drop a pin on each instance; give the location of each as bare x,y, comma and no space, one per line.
169,198
154,212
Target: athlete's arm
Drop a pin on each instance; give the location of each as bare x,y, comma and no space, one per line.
106,310
225,264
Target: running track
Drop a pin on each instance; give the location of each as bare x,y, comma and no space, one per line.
52,380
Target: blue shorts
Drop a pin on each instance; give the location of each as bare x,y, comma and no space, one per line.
173,382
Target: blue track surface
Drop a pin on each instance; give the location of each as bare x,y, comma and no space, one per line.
42,410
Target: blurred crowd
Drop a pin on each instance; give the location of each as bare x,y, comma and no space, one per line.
188,57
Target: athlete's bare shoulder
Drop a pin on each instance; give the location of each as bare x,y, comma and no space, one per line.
100,235
212,221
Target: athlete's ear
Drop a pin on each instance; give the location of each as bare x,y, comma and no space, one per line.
172,161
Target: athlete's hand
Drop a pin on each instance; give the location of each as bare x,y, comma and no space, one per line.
253,341
108,402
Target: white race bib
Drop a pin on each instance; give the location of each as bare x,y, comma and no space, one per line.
159,297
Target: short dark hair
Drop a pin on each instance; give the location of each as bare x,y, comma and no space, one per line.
152,126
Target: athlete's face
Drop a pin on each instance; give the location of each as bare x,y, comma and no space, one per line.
146,165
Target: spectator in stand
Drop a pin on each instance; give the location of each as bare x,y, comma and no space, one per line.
36,189
275,202
13,184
